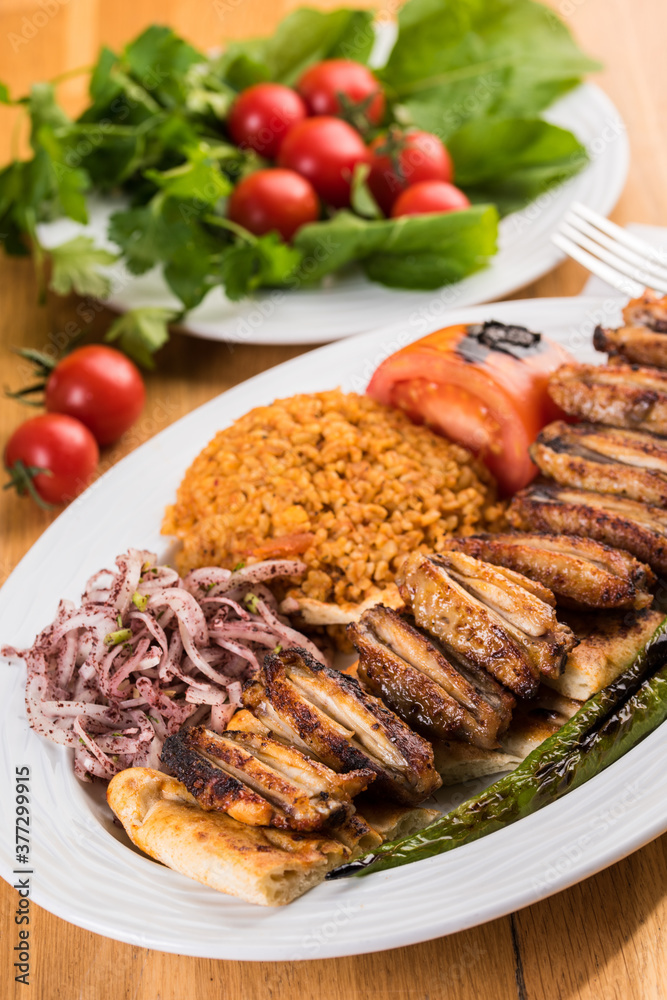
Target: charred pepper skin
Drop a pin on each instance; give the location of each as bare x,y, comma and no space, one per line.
608,725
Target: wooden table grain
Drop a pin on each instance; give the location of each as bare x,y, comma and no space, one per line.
602,937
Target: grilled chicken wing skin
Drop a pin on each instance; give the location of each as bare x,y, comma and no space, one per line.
328,715
582,573
630,464
641,340
260,781
617,395
634,344
485,618
623,524
215,788
650,310
413,676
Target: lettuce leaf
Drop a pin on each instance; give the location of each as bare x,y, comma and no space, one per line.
304,37
511,161
457,61
416,251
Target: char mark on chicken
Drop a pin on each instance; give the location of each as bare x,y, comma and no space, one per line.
410,671
623,524
582,573
630,464
329,716
617,395
484,615
260,781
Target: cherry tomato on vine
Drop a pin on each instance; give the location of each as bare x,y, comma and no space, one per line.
326,151
429,196
98,386
337,85
262,115
400,159
273,199
52,457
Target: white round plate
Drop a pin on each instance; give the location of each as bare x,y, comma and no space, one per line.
85,870
346,305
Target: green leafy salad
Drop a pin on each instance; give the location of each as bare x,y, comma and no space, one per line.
160,137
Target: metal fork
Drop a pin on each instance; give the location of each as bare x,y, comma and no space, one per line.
616,256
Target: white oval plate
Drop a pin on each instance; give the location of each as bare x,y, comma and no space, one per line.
350,304
86,872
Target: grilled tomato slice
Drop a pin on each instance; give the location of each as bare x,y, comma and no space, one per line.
482,385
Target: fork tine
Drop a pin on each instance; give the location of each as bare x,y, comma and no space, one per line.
631,256
612,259
609,274
618,233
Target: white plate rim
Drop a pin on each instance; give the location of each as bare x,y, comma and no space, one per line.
616,813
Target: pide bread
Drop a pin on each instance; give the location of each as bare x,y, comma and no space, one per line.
608,644
258,864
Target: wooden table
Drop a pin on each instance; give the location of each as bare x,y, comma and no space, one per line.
600,938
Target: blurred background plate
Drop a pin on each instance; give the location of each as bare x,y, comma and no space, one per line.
349,304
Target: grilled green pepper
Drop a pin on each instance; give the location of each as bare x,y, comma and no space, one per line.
605,727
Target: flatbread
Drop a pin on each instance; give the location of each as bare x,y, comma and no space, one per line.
258,864
608,644
390,820
308,611
456,761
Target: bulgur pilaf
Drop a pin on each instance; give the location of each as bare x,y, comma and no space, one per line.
348,484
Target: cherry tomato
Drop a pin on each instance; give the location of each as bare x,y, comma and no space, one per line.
273,199
59,444
326,151
429,196
322,85
491,402
262,115
400,159
100,387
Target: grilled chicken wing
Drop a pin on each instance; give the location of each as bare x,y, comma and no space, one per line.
411,673
260,781
604,459
623,524
581,573
650,310
635,344
642,340
329,716
616,395
485,617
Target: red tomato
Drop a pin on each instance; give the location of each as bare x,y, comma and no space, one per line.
59,444
326,151
274,199
400,159
486,399
322,85
100,387
262,115
429,196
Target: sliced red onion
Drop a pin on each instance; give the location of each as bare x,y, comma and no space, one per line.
146,653
290,636
185,607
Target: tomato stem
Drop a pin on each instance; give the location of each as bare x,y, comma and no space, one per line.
28,391
394,144
44,365
21,479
